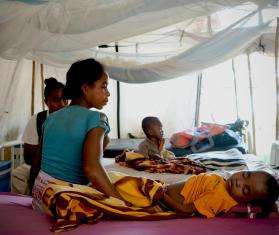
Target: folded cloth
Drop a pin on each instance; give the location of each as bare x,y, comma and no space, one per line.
221,160
74,204
157,164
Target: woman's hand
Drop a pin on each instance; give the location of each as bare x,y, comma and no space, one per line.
106,142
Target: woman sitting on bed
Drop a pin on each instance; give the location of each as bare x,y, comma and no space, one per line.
74,137
209,194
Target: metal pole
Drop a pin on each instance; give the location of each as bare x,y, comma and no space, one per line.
118,100
33,87
235,89
198,100
277,78
42,86
252,105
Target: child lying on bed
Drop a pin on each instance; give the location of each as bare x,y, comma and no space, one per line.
145,199
154,141
209,194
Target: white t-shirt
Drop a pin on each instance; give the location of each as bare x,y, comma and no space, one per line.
30,134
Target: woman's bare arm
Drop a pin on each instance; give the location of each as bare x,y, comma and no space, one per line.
106,142
35,166
29,152
92,153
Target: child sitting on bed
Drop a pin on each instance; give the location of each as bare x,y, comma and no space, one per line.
154,141
209,194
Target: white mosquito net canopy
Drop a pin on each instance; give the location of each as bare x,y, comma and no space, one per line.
139,41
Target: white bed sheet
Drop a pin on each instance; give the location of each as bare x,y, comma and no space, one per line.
253,163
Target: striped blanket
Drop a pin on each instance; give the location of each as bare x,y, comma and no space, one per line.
72,204
221,160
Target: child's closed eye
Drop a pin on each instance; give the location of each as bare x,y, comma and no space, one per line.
246,190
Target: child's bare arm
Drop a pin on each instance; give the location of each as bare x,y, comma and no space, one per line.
173,198
143,149
184,208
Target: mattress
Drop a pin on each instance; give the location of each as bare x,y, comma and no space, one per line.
116,146
17,217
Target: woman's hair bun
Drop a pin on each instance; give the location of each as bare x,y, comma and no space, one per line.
50,81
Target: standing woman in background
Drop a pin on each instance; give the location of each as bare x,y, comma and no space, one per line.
54,99
74,137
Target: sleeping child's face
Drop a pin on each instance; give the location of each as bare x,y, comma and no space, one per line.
246,186
155,130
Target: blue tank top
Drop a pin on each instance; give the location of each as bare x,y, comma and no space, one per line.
64,132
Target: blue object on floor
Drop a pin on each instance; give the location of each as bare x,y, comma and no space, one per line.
5,176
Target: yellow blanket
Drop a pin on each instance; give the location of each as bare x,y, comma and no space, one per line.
72,204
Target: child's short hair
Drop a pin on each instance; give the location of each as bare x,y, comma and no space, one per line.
272,194
272,188
147,122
